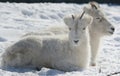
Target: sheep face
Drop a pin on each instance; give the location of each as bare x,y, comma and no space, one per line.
100,23
77,27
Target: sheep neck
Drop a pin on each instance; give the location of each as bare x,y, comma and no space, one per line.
94,31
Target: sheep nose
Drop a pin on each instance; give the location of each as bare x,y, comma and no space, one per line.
112,28
76,41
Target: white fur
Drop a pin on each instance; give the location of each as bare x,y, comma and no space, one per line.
41,33
99,28
56,29
58,52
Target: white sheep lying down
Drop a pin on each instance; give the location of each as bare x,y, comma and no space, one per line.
63,52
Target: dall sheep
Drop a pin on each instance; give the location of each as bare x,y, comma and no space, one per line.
100,27
63,52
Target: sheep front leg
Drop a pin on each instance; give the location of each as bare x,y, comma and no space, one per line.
94,50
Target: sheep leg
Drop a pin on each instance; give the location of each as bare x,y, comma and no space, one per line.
94,50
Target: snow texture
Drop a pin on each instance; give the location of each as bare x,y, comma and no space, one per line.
16,19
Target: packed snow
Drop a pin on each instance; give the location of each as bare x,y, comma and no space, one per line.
16,19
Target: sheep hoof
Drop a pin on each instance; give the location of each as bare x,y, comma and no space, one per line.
93,64
38,69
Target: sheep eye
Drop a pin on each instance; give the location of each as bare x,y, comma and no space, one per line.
83,28
69,28
100,19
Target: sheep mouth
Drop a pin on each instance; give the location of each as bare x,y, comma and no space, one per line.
111,32
75,44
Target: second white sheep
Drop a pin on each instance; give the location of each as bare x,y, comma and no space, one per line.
63,52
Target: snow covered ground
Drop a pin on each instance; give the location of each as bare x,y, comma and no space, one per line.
18,19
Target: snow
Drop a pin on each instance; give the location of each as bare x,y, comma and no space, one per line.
16,19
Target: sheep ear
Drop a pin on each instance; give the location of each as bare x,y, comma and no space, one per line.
69,19
90,19
94,5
